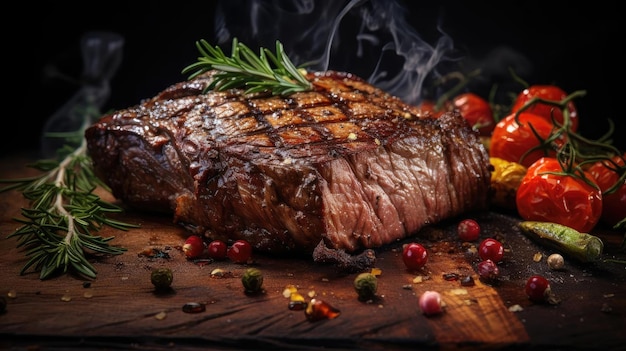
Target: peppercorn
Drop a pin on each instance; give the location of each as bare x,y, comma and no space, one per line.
556,261
252,280
162,278
430,303
366,285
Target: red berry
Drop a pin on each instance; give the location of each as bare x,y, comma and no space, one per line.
468,230
430,303
491,249
217,249
193,246
538,288
240,251
414,256
487,270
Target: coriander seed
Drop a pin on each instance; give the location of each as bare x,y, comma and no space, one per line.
555,261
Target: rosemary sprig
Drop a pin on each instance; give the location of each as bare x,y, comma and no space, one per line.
244,69
56,230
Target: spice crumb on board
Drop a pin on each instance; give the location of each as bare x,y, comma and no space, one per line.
458,292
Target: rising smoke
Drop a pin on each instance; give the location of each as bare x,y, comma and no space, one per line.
370,38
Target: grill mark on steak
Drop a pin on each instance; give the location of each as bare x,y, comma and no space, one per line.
345,163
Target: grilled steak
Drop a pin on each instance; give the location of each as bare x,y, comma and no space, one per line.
346,164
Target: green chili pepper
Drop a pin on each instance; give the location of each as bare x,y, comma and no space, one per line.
581,246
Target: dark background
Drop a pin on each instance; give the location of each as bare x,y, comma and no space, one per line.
576,46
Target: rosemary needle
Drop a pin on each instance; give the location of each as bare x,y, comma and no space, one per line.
268,71
57,229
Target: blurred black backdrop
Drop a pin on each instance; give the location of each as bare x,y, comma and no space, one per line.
576,46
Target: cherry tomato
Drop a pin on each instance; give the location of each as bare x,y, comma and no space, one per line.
414,256
476,111
547,92
429,108
613,204
491,249
558,198
510,140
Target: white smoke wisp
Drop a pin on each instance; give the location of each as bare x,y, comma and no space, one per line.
369,38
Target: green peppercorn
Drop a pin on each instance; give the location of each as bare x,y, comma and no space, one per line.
252,280
162,278
366,285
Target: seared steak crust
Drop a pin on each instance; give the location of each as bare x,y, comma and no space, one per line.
346,163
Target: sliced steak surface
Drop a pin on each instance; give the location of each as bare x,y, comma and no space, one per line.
345,163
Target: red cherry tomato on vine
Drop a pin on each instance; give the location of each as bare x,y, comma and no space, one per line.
547,92
510,140
429,107
476,111
558,198
613,204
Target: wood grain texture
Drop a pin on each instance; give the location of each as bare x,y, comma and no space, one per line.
119,308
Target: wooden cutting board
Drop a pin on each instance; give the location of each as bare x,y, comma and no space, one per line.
121,309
